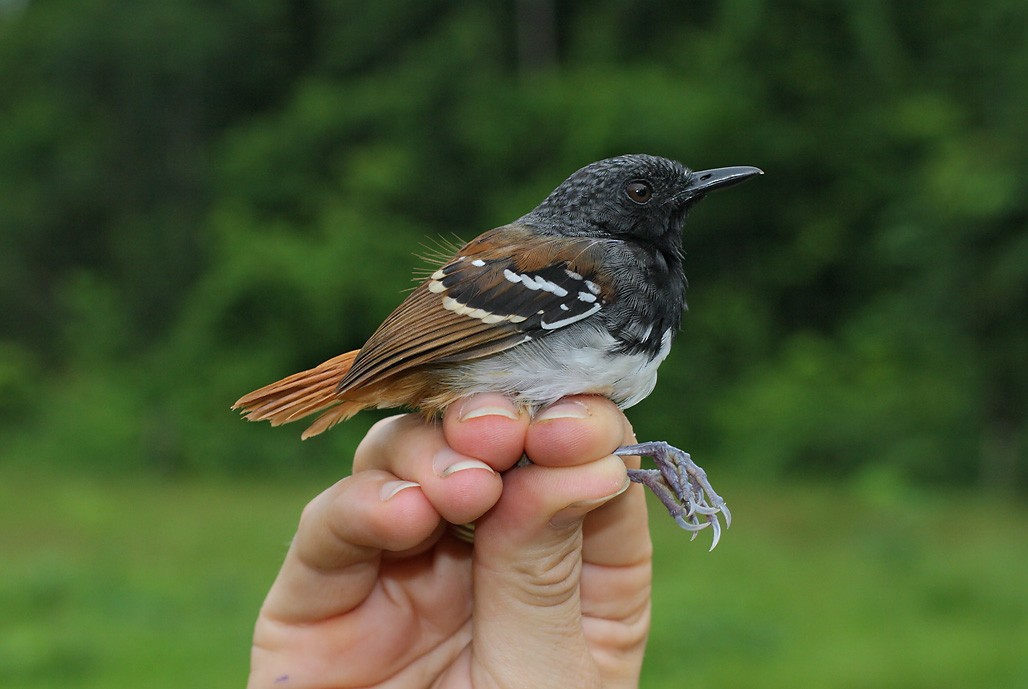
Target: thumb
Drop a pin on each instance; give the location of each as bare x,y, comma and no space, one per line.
527,568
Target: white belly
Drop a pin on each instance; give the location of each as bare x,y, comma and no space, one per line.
530,374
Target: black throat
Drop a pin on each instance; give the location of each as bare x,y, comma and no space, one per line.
650,287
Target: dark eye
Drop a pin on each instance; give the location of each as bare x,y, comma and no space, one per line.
640,192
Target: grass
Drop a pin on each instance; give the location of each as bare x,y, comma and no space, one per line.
154,583
822,587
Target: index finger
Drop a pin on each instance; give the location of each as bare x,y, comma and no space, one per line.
617,550
579,429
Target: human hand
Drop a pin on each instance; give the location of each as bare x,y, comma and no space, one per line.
375,591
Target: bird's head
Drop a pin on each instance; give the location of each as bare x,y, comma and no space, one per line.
637,196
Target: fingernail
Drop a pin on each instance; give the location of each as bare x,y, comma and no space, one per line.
564,409
447,462
576,510
476,409
391,488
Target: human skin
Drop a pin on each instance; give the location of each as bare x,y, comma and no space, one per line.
375,591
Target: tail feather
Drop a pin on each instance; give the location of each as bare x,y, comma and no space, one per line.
340,412
302,394
290,396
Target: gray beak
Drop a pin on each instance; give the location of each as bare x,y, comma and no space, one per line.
703,182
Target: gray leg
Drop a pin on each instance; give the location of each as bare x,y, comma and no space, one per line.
681,485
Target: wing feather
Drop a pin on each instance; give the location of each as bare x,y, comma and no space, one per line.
487,298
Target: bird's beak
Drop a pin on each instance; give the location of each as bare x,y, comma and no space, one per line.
703,182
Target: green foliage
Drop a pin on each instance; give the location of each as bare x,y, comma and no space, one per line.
200,198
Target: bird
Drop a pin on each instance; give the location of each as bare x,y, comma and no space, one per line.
584,294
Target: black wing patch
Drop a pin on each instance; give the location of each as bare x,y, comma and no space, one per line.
495,291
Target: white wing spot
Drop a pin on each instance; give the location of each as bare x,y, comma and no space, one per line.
547,286
478,263
588,298
451,304
535,283
569,320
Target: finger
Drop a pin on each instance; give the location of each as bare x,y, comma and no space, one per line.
527,568
488,427
579,428
617,577
617,554
616,585
332,564
575,429
618,533
460,487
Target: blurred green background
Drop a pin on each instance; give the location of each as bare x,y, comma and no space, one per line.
199,197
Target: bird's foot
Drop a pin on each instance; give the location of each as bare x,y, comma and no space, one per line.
681,485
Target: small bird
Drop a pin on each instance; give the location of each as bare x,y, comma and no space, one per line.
582,295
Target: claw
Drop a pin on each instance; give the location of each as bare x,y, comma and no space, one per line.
703,509
681,486
717,533
690,526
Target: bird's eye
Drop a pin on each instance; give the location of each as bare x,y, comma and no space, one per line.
640,192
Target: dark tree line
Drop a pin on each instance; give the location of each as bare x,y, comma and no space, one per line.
197,197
